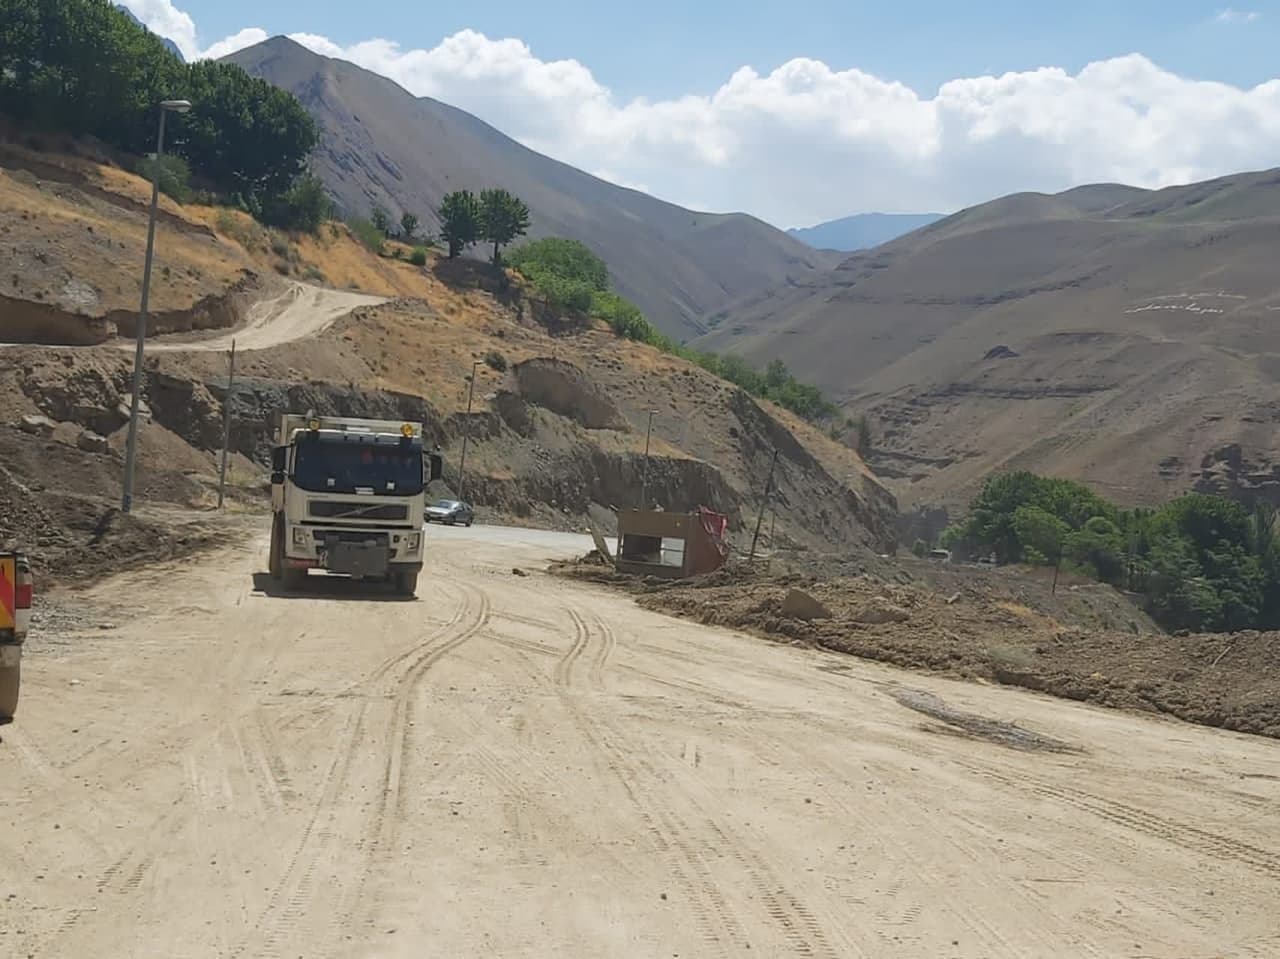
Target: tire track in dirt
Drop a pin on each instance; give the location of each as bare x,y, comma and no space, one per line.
913,867
325,841
476,610
581,636
604,652
289,900
804,933
1181,834
717,923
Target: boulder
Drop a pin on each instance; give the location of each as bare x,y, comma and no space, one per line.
879,611
124,410
37,425
92,442
800,605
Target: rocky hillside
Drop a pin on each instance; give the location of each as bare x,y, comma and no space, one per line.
557,430
381,145
1109,334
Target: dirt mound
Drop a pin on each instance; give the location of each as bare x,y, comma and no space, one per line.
1229,681
563,388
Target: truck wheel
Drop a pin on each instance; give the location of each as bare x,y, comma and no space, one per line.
10,679
407,583
275,559
294,578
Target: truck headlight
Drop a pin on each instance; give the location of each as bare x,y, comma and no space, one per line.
413,541
301,536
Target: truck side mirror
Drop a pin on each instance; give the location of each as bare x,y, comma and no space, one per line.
278,454
437,466
277,477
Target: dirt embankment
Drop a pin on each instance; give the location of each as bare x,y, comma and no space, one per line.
558,428
982,633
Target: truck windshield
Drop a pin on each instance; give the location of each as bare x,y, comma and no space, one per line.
325,465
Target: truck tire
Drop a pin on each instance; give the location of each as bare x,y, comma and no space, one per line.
275,558
407,583
10,679
294,578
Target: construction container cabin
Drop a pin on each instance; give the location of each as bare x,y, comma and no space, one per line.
671,545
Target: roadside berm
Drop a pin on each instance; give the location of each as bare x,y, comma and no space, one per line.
987,632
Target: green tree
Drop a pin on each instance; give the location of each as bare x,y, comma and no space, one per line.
86,67
1100,549
1041,535
503,219
459,217
305,206
380,219
174,174
245,134
864,435
568,259
408,226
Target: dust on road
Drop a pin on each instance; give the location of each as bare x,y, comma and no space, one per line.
525,766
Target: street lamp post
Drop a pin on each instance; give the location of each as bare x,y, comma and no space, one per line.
131,447
466,435
644,473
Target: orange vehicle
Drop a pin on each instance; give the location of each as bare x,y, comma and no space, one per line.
16,587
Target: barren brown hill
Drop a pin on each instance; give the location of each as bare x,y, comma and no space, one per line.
1124,337
557,431
381,145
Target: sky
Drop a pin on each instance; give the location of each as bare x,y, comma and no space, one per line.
804,111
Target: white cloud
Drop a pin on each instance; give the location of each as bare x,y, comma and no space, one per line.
237,41
168,21
805,142
1232,15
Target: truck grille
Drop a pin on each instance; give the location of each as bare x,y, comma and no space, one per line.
379,511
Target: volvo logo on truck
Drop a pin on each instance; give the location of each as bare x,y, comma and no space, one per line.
347,497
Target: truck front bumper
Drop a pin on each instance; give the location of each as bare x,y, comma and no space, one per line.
365,554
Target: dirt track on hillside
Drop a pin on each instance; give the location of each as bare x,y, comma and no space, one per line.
299,312
525,766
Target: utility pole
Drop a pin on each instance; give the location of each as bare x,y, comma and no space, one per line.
131,447
768,488
226,424
644,473
466,434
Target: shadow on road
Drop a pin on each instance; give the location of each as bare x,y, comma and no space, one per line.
330,587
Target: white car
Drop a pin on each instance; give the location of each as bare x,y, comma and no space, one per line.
451,511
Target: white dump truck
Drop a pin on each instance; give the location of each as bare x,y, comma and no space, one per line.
348,496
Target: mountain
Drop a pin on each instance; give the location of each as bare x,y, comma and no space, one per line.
381,145
168,44
862,231
1125,337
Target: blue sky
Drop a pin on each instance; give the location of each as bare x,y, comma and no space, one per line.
812,109
666,48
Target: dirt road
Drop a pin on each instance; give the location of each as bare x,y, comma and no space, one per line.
520,766
299,312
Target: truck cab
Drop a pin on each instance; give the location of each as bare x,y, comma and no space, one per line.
347,497
16,588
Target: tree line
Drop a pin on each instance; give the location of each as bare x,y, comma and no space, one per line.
569,276
86,68
1201,562
494,217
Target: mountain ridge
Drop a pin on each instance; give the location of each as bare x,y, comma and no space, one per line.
381,145
862,231
1116,335
168,44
